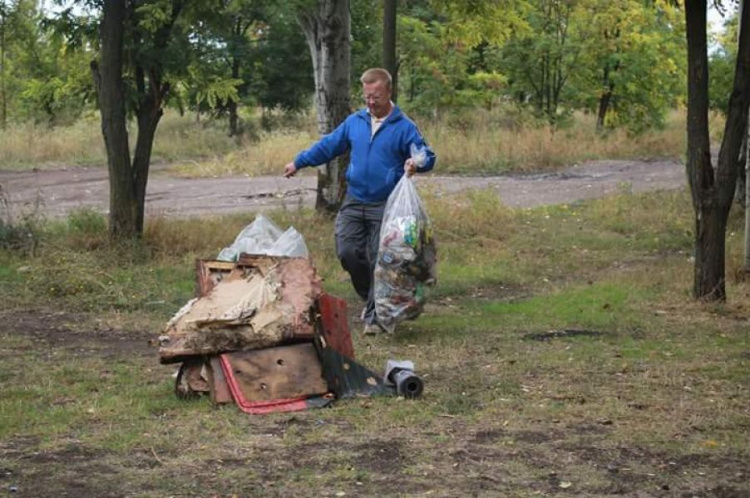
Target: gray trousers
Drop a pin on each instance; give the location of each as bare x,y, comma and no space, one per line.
357,238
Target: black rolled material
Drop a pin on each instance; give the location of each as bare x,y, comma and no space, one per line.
408,384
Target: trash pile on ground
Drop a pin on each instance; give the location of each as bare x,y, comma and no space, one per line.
406,257
262,334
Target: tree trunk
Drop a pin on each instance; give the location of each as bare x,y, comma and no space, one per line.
712,191
603,108
127,182
745,176
739,191
604,101
3,94
389,43
148,114
234,120
327,28
238,31
108,80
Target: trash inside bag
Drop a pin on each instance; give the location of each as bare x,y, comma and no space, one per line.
263,237
406,257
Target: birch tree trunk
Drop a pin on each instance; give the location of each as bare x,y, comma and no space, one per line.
327,28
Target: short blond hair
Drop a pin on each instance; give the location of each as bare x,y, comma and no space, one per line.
375,74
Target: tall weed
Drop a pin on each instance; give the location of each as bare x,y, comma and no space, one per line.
23,232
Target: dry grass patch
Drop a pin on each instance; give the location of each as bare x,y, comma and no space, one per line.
266,156
478,143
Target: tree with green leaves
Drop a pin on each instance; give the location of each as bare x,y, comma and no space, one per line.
448,52
540,61
40,79
713,187
633,62
142,45
622,60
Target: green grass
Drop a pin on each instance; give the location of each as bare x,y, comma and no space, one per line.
656,396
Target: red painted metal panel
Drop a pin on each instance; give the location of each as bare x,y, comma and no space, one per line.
335,329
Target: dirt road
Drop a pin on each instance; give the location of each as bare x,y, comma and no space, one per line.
56,192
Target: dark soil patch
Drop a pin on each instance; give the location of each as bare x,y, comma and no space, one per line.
562,334
488,436
635,468
70,454
382,457
49,330
72,471
533,437
498,292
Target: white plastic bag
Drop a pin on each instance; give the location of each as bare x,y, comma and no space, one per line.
406,257
262,236
418,155
290,243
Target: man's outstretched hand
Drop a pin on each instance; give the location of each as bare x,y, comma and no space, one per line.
290,170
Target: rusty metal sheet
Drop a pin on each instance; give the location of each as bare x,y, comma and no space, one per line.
277,373
333,326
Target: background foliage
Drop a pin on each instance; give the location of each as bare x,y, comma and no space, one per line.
623,60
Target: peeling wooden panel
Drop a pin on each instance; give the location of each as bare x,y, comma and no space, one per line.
300,288
262,301
217,383
284,372
210,273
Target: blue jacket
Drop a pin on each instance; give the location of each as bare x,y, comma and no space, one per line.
376,164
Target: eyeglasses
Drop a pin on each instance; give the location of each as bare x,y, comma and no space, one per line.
372,98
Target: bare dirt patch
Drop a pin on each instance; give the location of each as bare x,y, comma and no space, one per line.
53,330
56,192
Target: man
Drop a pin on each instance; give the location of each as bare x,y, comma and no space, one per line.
380,138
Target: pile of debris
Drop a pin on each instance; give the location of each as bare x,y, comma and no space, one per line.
263,334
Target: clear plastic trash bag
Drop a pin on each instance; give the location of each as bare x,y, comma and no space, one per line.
406,257
263,237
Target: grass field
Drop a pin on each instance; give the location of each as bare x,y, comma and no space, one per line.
561,350
479,143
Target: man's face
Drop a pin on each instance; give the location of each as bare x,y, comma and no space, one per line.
377,98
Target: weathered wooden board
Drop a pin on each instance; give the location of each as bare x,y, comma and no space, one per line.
217,383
